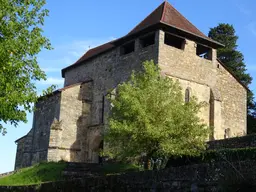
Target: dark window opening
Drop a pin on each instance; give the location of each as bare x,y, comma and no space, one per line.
187,95
128,48
174,41
147,40
204,52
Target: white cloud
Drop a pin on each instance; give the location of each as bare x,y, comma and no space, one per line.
51,69
52,80
66,54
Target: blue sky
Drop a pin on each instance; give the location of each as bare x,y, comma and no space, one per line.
74,26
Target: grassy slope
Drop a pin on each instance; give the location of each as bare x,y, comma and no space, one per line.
39,173
44,172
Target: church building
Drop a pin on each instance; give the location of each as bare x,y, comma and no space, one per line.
68,123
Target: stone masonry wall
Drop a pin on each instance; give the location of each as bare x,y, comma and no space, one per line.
19,153
108,70
33,147
47,111
234,103
201,92
247,141
201,177
229,96
24,151
69,137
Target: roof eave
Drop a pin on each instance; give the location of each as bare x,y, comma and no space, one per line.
20,139
193,34
78,63
156,26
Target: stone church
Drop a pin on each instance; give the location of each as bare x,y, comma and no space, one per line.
67,124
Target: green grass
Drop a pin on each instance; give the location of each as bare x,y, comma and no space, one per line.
46,172
38,173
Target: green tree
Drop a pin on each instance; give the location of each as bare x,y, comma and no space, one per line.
149,116
234,60
21,40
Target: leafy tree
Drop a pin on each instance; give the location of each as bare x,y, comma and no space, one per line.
234,60
21,40
149,117
49,90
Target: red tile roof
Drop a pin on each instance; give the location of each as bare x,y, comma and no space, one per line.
95,51
167,14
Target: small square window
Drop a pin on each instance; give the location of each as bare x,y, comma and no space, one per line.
147,40
174,41
128,48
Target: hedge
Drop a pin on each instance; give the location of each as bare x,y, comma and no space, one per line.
211,156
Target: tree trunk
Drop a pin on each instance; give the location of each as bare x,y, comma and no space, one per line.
146,163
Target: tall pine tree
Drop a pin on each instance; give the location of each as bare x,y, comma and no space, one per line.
234,60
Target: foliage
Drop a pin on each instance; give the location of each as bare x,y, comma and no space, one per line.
209,156
36,174
234,60
49,90
149,117
21,40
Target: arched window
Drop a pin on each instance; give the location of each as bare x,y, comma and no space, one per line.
227,133
187,95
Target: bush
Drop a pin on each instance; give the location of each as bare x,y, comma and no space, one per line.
210,156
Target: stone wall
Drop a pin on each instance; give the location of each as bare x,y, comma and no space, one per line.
232,143
234,103
24,150
211,83
201,92
202,177
33,147
47,111
69,140
107,70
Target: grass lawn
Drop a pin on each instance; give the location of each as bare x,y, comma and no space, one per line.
45,172
38,173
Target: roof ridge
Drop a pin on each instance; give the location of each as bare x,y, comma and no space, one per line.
162,4
167,3
101,45
163,10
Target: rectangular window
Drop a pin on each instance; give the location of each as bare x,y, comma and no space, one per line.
204,52
147,40
174,41
128,48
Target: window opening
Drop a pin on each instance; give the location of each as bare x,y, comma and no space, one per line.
174,41
204,52
147,40
187,95
128,48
